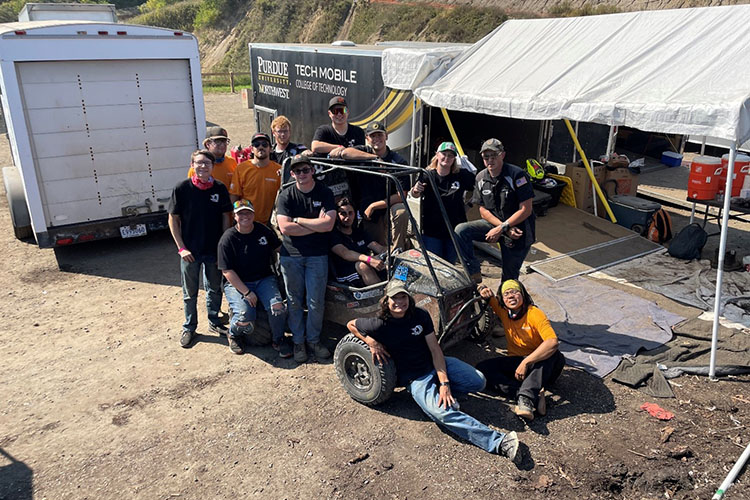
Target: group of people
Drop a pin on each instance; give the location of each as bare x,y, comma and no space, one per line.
219,219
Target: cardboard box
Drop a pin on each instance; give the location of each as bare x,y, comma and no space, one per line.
627,182
582,187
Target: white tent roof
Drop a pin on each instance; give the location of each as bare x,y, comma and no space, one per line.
407,68
683,71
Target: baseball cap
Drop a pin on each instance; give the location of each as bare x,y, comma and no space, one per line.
336,101
492,145
375,126
240,205
260,135
299,160
216,133
448,146
395,287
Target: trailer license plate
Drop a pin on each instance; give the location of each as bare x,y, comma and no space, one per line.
133,231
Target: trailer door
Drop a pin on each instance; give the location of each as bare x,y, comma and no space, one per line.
108,138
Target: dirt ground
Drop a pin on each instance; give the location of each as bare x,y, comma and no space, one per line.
100,401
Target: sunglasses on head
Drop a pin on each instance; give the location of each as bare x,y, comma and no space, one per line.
242,203
260,144
339,110
303,170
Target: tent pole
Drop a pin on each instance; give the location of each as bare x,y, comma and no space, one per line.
590,172
413,129
610,138
575,156
703,145
720,267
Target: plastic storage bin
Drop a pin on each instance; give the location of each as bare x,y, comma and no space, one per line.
671,159
633,213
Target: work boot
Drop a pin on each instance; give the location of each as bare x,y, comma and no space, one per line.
524,407
508,447
541,404
300,353
319,350
235,346
284,348
186,340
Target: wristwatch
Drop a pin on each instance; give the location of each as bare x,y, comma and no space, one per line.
295,220
504,227
447,382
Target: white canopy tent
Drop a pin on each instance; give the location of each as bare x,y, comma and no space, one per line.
684,71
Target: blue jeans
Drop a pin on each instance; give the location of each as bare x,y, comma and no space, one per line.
305,277
441,247
190,274
464,379
476,230
268,296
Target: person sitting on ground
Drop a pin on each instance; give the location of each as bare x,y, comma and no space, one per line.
406,334
372,190
452,182
351,249
216,143
533,361
246,251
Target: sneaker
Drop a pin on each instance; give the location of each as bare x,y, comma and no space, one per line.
541,404
509,447
319,350
284,348
235,346
187,338
218,328
300,353
524,407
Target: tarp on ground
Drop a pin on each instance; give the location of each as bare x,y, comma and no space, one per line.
683,71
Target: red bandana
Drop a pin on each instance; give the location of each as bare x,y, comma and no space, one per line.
202,185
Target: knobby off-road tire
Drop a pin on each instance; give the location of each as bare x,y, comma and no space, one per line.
365,381
484,326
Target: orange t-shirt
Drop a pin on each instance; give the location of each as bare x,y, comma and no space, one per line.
526,333
259,185
222,171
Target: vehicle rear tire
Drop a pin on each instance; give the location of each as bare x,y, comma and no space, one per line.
19,212
484,326
365,381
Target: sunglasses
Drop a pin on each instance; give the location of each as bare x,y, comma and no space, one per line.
508,293
490,156
242,203
303,170
339,111
220,141
260,144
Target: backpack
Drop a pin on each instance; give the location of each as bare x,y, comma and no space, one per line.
660,228
689,242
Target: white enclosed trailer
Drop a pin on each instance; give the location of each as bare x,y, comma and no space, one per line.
101,12
101,120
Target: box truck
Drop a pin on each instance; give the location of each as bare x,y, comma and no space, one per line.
101,120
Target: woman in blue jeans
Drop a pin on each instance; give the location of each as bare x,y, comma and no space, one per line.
405,333
452,183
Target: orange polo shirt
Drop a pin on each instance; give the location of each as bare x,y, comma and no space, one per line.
526,333
222,171
259,185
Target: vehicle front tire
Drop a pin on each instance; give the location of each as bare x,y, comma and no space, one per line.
365,381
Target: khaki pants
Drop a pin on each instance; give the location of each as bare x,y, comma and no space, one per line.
399,224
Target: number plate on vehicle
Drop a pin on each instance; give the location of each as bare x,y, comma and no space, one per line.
133,231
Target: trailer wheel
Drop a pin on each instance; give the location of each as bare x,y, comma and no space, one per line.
638,228
365,381
19,213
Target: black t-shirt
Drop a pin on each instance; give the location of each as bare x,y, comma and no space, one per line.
294,203
354,135
372,188
451,189
404,339
249,255
201,215
290,150
357,241
504,194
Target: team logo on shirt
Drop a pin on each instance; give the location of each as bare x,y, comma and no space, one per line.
417,330
361,243
317,204
486,191
262,241
455,185
215,198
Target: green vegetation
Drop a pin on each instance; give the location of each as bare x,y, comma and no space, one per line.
564,9
180,16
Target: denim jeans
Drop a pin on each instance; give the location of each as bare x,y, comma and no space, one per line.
441,247
305,277
268,295
190,274
464,379
476,230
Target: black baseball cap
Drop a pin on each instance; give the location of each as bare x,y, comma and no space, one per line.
336,101
299,160
373,127
260,135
